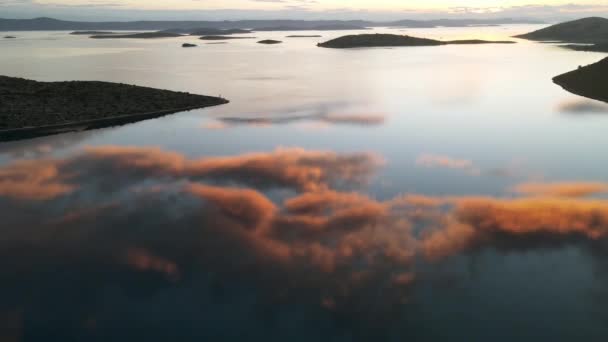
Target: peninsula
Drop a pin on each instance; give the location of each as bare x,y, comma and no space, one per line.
589,81
30,108
391,40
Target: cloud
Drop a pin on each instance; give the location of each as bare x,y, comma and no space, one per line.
145,219
562,189
291,168
582,107
365,119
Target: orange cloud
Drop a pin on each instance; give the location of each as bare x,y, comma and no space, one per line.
562,189
292,168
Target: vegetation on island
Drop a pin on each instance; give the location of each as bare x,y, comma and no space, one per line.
30,108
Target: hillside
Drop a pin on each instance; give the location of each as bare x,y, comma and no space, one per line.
587,30
590,81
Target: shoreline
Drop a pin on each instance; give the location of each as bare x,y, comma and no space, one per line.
14,134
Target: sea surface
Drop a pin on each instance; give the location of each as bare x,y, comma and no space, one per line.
449,193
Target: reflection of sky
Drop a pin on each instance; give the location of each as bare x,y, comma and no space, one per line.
447,121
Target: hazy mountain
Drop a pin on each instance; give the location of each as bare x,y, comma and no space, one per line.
587,30
50,24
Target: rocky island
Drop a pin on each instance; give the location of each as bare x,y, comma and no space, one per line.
188,45
391,40
269,42
30,108
590,81
587,30
143,35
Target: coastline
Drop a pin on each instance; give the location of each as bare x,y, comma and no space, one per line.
23,133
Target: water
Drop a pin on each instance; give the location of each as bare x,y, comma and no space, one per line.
146,231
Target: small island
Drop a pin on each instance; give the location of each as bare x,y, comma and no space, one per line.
304,36
223,37
217,32
601,47
269,42
590,81
587,30
325,27
393,40
477,41
9,37
89,33
30,108
143,35
188,45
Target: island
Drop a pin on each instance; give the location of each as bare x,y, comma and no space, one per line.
143,35
393,40
223,37
10,37
269,41
589,81
188,45
304,36
89,33
601,47
217,32
477,41
29,108
587,30
324,27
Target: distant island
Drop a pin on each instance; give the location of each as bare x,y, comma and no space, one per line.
392,40
89,33
601,47
587,30
326,27
269,41
50,24
30,108
189,45
223,37
217,32
589,81
304,36
143,35
9,37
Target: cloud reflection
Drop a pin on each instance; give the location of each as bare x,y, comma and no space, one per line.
147,219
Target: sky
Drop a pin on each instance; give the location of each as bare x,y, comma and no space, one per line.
300,9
